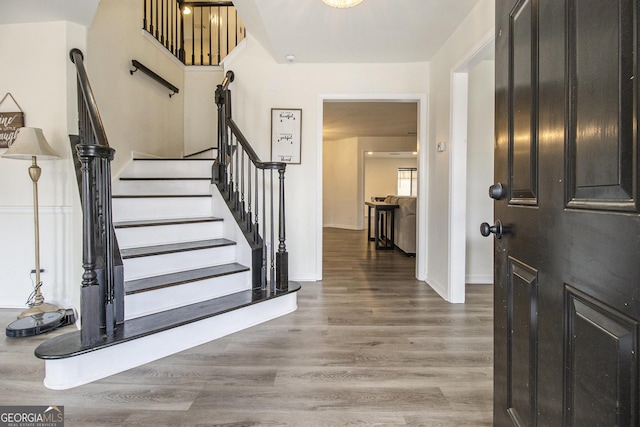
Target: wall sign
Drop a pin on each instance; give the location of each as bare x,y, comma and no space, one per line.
10,122
286,125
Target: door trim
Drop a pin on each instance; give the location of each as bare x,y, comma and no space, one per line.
455,292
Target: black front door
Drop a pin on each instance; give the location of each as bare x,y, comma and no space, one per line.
567,301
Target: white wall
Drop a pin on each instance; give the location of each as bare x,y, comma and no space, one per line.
137,112
479,254
200,112
262,84
42,80
475,27
381,174
342,179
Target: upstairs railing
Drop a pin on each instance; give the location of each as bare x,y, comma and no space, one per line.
254,194
195,32
102,291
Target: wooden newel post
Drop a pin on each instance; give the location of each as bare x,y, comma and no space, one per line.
282,256
220,163
96,300
90,292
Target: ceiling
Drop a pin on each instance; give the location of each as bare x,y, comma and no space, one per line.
342,119
23,11
375,31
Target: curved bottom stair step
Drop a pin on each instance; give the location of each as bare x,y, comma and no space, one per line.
138,341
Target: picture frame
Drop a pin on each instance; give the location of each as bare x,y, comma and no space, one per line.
286,126
10,122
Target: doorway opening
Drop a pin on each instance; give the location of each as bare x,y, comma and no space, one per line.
355,129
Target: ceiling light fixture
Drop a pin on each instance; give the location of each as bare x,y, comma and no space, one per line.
186,10
342,4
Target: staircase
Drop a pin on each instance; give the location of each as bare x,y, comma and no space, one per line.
187,274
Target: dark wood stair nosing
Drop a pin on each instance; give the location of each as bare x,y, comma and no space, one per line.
70,344
163,222
168,280
170,248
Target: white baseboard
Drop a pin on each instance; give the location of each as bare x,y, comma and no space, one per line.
438,287
13,303
479,279
344,227
42,210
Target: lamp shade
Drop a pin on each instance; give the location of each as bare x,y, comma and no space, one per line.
30,142
341,4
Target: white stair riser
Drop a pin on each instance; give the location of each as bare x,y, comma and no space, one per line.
161,187
144,303
62,374
160,207
147,236
169,168
135,268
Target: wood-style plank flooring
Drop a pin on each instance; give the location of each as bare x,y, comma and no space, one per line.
369,345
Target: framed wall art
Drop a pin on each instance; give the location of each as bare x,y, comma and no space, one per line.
10,122
286,125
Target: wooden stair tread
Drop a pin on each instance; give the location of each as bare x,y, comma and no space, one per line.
181,277
169,221
69,345
174,247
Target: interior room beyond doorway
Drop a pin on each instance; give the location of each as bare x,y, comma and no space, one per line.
366,145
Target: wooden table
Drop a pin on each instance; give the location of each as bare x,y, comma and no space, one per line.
384,221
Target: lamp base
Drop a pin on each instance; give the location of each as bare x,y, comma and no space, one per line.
40,308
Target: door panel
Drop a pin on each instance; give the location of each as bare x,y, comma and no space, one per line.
567,291
603,341
522,152
523,334
601,134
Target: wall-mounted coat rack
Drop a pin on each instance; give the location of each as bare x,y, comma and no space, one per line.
138,66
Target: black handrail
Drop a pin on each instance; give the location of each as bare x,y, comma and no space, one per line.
249,192
89,100
139,66
102,293
235,130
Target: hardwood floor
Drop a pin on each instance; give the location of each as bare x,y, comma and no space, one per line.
369,345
